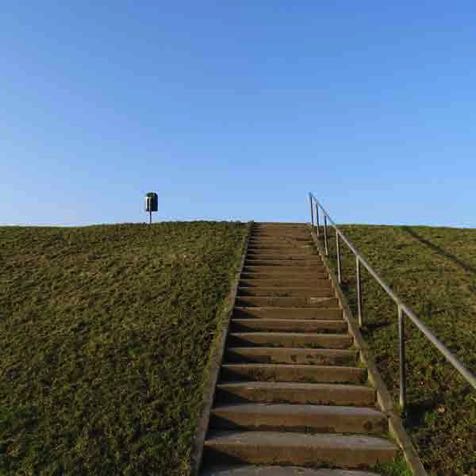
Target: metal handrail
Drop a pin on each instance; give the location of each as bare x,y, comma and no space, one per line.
403,309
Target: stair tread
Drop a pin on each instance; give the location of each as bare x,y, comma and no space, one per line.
290,334
308,326
297,366
299,417
290,440
289,282
279,288
298,355
248,320
287,313
272,290
296,392
296,385
281,255
296,409
285,291
301,448
291,302
290,339
287,309
250,470
292,372
303,350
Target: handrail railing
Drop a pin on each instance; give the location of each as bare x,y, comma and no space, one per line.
402,309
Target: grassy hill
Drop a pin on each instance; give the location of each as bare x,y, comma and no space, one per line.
434,271
105,333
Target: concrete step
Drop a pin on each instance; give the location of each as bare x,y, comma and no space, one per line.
289,325
280,225
270,301
248,470
291,270
302,249
280,241
285,448
296,270
292,373
277,272
286,256
280,232
283,254
289,339
287,313
294,392
280,238
291,355
321,283
298,258
283,248
301,227
291,252
286,291
308,262
299,417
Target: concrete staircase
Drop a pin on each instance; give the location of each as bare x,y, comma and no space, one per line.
291,398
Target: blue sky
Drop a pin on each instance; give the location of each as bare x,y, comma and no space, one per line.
236,109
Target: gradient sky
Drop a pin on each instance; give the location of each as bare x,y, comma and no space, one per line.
236,109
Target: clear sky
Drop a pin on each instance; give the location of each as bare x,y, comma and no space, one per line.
236,109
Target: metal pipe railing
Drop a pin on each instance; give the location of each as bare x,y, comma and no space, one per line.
403,309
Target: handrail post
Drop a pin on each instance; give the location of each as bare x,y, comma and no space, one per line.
317,221
312,210
339,268
401,351
326,248
359,292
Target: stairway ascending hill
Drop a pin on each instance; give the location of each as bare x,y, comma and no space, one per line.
291,398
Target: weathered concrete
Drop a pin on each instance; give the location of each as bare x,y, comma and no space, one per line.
260,301
282,255
293,373
290,394
291,282
294,392
311,262
290,355
281,471
291,291
288,313
282,273
290,339
288,325
307,418
262,447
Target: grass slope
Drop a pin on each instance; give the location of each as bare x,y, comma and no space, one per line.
434,271
105,333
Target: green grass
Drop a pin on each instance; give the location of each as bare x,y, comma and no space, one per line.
105,334
434,271
395,468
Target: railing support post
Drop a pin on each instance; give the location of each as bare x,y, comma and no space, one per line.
312,210
401,351
339,268
359,292
318,231
326,248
